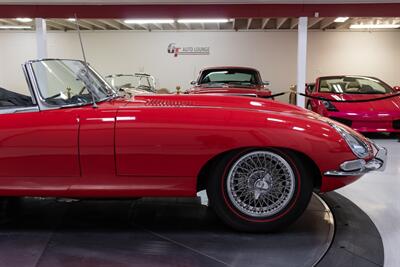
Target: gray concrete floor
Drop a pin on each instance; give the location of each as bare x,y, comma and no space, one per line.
378,195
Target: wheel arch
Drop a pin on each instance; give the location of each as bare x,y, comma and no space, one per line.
206,171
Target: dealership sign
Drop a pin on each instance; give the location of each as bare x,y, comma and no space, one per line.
188,50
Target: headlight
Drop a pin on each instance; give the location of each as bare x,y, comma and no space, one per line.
329,106
359,148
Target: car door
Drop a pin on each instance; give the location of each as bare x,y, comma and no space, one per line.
38,148
39,144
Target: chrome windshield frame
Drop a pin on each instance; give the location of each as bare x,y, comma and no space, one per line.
35,90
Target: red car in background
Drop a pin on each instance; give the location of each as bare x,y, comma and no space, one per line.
258,160
372,116
241,81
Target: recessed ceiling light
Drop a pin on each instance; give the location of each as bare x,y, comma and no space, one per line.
341,19
374,26
24,19
14,27
72,19
203,20
149,21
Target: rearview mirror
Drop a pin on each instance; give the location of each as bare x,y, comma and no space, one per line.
193,82
396,88
266,83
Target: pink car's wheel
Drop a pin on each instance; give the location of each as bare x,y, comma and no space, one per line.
260,190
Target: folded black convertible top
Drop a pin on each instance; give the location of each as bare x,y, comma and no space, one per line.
9,98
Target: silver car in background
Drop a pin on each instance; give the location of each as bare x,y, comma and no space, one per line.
129,85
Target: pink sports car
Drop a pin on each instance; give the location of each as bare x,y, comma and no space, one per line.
372,116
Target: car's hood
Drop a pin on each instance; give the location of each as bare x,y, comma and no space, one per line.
385,105
213,101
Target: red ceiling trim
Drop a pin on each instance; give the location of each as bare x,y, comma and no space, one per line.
193,11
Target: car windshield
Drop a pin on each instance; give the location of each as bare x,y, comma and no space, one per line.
137,81
69,82
353,85
244,77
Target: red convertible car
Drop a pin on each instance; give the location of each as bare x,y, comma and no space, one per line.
230,81
259,160
372,116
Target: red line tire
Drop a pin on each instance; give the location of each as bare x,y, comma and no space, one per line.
270,202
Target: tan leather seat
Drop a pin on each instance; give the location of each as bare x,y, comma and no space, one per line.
353,87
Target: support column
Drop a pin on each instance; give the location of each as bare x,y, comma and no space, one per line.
41,38
301,59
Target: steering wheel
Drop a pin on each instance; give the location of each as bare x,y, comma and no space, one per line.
78,99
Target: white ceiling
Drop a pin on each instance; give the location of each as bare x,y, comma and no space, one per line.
195,2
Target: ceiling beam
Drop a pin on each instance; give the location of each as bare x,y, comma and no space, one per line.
187,25
294,23
131,27
174,25
144,26
9,22
54,25
65,24
158,26
280,22
326,23
94,23
314,21
111,23
249,21
346,24
264,23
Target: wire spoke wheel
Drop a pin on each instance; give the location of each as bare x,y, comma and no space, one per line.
260,184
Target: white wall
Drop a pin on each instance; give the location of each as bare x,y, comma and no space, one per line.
364,53
273,53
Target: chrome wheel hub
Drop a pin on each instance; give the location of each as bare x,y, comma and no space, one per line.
260,183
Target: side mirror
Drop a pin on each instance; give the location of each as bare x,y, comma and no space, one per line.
396,88
266,83
193,82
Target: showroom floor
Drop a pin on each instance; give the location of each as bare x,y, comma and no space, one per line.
153,232
377,194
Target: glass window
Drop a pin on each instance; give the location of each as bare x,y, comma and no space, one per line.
69,82
353,85
230,76
127,81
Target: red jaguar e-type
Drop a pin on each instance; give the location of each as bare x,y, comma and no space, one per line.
230,81
371,116
259,160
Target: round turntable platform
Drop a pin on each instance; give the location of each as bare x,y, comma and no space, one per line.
153,232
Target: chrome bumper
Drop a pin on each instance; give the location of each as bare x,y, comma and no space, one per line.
359,166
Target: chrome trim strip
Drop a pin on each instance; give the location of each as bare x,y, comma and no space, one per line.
13,110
